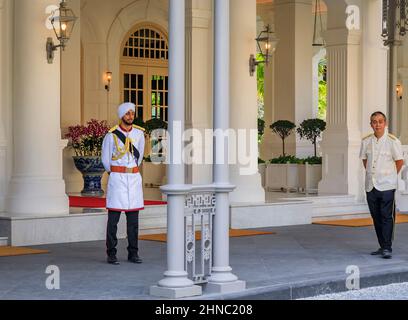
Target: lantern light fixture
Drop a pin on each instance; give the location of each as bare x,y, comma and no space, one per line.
266,42
63,21
108,76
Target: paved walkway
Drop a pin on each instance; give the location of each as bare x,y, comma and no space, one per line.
296,262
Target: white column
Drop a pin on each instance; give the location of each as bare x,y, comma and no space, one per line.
199,88
375,65
6,18
222,279
293,75
175,283
342,169
36,186
244,110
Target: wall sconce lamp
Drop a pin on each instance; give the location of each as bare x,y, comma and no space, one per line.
266,42
63,21
399,91
108,76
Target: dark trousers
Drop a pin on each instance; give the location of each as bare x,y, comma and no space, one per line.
132,220
382,209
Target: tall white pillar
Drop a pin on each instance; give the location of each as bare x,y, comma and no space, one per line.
175,283
199,114
36,186
342,170
244,110
222,279
293,75
375,64
6,18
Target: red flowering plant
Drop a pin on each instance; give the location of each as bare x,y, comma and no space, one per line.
87,140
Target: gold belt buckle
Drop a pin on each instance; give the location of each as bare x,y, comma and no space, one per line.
129,170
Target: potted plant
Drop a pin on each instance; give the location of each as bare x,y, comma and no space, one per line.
282,174
86,141
310,174
311,129
310,171
283,128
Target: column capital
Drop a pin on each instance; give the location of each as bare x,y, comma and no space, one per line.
342,37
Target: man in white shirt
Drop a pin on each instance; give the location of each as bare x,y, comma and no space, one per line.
122,154
382,158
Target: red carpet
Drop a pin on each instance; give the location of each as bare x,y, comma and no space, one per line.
90,202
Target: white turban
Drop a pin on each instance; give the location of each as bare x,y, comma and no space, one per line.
125,108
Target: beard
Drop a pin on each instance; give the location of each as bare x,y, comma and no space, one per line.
127,122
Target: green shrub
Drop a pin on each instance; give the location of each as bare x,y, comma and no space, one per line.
285,159
312,160
283,128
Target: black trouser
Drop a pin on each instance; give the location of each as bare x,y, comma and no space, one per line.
132,220
382,209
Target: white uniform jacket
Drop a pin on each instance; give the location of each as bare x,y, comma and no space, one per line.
381,154
125,190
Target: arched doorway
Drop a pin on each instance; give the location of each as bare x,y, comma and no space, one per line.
144,71
145,82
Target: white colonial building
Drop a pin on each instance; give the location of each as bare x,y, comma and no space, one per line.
188,60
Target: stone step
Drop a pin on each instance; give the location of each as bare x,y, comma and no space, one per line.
341,217
3,241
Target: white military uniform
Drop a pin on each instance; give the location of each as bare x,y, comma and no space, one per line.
381,155
125,190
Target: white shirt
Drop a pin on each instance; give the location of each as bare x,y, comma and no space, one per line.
124,190
381,154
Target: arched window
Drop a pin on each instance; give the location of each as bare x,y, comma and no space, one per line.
147,43
144,69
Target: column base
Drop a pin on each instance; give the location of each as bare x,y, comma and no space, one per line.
175,293
248,188
225,287
37,196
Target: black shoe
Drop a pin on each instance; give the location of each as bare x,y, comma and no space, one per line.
377,253
387,254
113,260
135,259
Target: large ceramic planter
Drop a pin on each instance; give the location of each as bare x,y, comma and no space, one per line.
92,171
309,177
262,172
282,177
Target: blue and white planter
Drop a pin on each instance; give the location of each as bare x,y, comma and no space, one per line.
92,171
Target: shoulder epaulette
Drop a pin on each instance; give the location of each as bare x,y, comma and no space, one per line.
140,128
368,136
113,129
392,136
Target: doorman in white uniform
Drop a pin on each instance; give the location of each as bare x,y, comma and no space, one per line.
122,154
382,157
